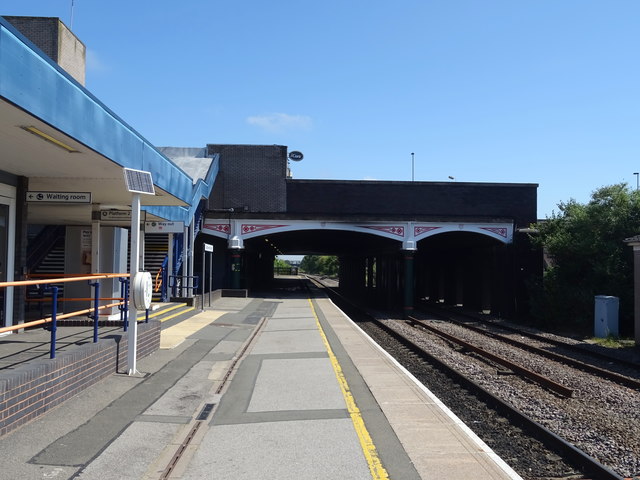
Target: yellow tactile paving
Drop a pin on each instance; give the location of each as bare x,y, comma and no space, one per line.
174,336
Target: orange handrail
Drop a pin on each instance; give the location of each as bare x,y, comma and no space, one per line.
42,321
70,275
72,299
54,316
158,283
22,283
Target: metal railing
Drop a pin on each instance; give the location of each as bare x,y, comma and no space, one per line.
184,284
93,312
161,280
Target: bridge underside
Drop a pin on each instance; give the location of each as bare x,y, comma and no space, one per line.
456,267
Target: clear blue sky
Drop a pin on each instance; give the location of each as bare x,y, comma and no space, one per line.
533,91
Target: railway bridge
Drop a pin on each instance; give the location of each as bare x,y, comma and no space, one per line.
450,242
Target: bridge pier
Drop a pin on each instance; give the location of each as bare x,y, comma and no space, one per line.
409,281
236,268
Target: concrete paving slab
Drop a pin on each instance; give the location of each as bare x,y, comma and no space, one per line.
306,450
226,346
293,323
219,370
129,456
232,304
288,342
188,393
392,394
296,384
173,336
292,313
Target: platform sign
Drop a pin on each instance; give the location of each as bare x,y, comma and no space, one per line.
59,197
208,247
115,215
164,227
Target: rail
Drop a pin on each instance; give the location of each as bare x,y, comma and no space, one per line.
161,281
191,282
568,451
93,312
533,376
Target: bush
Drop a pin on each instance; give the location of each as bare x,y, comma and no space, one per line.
588,257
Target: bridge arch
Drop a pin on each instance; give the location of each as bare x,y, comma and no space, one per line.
406,232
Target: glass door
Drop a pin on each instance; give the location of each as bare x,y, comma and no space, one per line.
4,254
7,251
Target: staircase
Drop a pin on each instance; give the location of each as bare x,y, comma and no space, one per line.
155,251
46,257
53,262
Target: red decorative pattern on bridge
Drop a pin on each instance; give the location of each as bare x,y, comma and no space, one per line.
250,228
394,230
497,230
420,230
218,227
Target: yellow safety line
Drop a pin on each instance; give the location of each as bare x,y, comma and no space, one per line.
165,310
168,309
177,314
378,472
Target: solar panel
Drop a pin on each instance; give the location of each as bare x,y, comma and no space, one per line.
138,181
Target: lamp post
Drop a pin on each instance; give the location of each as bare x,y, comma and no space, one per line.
412,167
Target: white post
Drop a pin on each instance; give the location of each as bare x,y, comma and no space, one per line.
192,280
185,259
169,263
95,243
132,333
142,247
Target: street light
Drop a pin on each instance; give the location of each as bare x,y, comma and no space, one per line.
412,167
637,179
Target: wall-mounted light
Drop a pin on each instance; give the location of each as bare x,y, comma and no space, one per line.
49,138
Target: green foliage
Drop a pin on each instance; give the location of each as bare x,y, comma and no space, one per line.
281,264
587,255
320,265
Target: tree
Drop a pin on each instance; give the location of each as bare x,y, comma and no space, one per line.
320,265
587,256
278,263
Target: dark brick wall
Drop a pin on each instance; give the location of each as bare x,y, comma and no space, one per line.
34,388
445,201
59,43
42,31
252,178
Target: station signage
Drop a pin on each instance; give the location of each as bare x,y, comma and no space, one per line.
296,156
59,197
115,215
164,227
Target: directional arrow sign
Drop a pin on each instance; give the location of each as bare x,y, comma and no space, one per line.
59,197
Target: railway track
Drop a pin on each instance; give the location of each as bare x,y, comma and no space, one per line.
533,449
630,377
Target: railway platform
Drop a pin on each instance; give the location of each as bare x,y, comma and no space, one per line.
278,386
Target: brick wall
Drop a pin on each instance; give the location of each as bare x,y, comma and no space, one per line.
59,43
414,200
252,178
35,388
